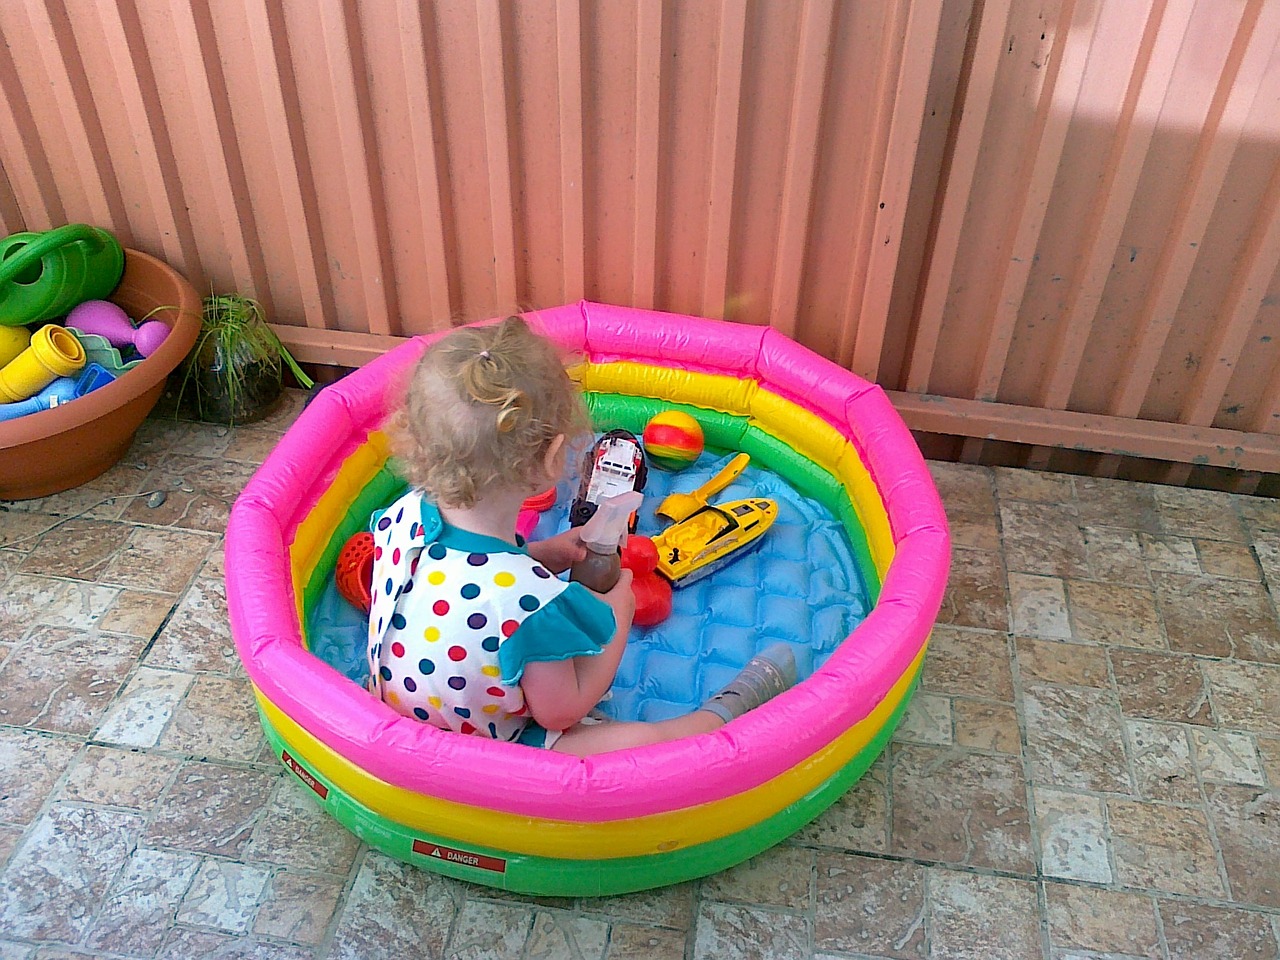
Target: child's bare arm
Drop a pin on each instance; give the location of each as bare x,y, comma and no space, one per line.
560,693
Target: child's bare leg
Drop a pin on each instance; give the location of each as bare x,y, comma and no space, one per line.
767,674
586,739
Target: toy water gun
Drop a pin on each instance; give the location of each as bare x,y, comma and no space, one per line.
60,391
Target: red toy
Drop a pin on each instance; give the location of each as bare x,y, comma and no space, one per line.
652,592
353,573
529,510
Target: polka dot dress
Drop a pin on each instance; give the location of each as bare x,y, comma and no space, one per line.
445,604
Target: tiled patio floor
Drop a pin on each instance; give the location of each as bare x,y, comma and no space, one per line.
1092,767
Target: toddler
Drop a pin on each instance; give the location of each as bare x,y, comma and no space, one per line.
469,628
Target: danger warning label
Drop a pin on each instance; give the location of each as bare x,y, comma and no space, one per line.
464,857
304,775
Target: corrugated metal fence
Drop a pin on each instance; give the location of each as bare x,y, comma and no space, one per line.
1051,224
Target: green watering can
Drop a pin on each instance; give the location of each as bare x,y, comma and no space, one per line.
44,275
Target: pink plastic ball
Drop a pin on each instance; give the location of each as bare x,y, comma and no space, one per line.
148,337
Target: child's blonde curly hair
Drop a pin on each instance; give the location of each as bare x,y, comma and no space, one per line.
482,407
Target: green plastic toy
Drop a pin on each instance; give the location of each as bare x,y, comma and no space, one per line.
44,275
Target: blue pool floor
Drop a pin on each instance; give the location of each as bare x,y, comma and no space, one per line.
800,585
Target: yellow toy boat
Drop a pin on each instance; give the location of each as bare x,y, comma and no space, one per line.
711,538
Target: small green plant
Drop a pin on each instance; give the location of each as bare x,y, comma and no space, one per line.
236,365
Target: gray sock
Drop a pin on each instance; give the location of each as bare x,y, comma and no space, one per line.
768,673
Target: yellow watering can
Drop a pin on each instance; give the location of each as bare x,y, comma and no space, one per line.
44,275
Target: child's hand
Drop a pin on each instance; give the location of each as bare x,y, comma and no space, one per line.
560,552
623,602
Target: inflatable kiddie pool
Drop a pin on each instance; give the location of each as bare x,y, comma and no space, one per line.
546,823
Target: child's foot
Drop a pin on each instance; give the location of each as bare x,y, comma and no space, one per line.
769,672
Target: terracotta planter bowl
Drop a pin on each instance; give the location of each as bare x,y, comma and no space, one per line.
61,448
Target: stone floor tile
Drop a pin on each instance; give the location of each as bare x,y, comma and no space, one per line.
184,943
293,400
118,778
1039,606
1202,932
1161,686
1115,555
976,595
490,930
1269,751
1163,848
140,906
218,719
157,559
927,720
210,809
73,604
31,764
1199,513
25,600
293,830
250,445
137,613
298,906
64,680
200,492
1233,561
79,549
1246,696
1060,661
1266,547
1246,820
631,941
968,663
21,530
1075,738
198,638
1028,550
660,907
395,910
733,932
157,435
555,936
140,713
780,877
986,726
1101,921
1033,485
1218,618
1073,844
959,808
870,906
9,559
859,820
215,564
224,896
204,440
971,504
1170,555
61,870
1259,513
1117,503
975,917
9,837
1115,614
1161,759
1227,756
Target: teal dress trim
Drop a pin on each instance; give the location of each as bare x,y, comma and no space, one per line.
574,624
